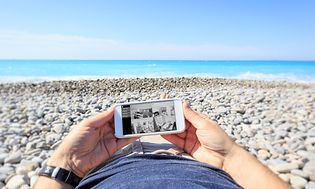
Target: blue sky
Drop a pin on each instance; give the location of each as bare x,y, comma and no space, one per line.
152,29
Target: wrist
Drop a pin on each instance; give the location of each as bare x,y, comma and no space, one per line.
64,162
60,175
231,155
48,183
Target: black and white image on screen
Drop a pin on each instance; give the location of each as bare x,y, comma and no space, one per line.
150,117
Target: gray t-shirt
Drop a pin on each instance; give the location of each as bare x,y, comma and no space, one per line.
157,171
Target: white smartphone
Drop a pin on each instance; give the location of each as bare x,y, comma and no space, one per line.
149,118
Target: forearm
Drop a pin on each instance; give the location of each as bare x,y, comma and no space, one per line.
49,183
247,171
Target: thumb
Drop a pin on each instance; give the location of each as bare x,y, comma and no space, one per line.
193,117
101,118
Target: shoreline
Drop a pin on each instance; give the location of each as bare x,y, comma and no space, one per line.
129,83
247,76
275,121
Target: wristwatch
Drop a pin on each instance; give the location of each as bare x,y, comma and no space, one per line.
60,174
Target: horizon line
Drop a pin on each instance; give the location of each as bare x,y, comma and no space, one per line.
18,59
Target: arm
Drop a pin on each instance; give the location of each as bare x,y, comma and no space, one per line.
44,182
89,144
247,171
207,142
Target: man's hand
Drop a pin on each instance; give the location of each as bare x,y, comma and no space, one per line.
203,139
89,144
207,142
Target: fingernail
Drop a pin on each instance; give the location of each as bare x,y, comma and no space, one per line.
112,107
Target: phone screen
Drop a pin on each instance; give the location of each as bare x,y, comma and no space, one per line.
148,117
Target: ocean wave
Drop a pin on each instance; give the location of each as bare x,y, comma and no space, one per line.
275,77
241,76
150,65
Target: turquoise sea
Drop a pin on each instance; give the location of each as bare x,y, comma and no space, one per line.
47,70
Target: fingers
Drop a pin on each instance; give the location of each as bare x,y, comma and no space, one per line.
193,117
175,139
164,96
203,116
100,119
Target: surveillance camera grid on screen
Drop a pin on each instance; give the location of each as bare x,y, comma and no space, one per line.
148,117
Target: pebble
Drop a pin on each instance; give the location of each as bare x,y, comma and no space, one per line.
2,184
297,182
16,181
15,157
58,128
298,172
24,186
6,169
263,154
307,155
29,165
33,180
21,170
309,168
285,167
285,177
237,120
52,138
38,160
310,185
2,157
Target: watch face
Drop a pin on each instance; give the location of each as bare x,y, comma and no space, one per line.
48,169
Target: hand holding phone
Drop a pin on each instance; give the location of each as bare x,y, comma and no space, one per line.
149,118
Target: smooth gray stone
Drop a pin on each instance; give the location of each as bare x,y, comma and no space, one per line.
285,167
3,156
2,177
3,150
309,168
15,157
299,172
24,186
21,170
310,185
29,164
52,138
33,180
58,128
37,160
237,121
17,181
310,141
81,110
2,184
222,110
297,181
6,169
306,154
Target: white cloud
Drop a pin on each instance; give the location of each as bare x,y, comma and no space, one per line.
24,45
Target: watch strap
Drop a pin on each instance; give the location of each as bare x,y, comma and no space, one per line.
61,174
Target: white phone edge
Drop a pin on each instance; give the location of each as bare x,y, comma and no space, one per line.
179,114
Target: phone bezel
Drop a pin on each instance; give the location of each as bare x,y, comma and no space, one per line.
179,115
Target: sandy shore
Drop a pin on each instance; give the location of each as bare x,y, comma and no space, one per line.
275,121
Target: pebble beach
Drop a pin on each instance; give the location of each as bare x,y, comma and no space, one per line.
275,121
